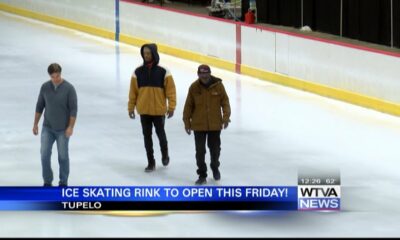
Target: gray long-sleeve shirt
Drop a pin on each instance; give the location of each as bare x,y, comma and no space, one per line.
59,103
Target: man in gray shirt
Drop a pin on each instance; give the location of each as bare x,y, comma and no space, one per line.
58,98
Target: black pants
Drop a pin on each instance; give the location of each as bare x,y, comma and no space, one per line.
213,139
147,127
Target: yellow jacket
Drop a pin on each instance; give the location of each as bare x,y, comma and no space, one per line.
151,86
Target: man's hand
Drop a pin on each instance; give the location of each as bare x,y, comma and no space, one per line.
226,124
132,115
170,113
69,131
35,130
188,131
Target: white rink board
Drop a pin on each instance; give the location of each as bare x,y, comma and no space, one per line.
355,70
196,34
98,13
359,71
258,48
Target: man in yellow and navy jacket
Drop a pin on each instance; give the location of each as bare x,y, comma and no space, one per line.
151,86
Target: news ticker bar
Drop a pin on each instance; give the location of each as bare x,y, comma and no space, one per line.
168,198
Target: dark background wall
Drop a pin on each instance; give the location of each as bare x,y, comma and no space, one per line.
365,20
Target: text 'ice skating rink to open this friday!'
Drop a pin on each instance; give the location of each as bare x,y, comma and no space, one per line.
274,131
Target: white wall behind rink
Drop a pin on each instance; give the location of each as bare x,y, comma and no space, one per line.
359,71
196,34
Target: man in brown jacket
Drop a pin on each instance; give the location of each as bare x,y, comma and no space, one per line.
202,114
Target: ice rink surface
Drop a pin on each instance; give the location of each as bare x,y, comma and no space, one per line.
274,132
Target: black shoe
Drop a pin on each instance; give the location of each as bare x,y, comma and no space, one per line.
201,181
216,175
150,168
47,185
165,160
63,185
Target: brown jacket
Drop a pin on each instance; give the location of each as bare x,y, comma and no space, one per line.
202,111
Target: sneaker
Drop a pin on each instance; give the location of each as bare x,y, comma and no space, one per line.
150,168
201,181
216,175
47,185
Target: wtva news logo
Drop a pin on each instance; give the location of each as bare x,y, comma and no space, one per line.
319,193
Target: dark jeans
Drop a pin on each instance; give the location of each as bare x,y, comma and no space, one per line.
147,126
213,139
48,137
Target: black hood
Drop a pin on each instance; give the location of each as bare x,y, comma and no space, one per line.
154,51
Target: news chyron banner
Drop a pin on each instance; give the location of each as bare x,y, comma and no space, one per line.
312,193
